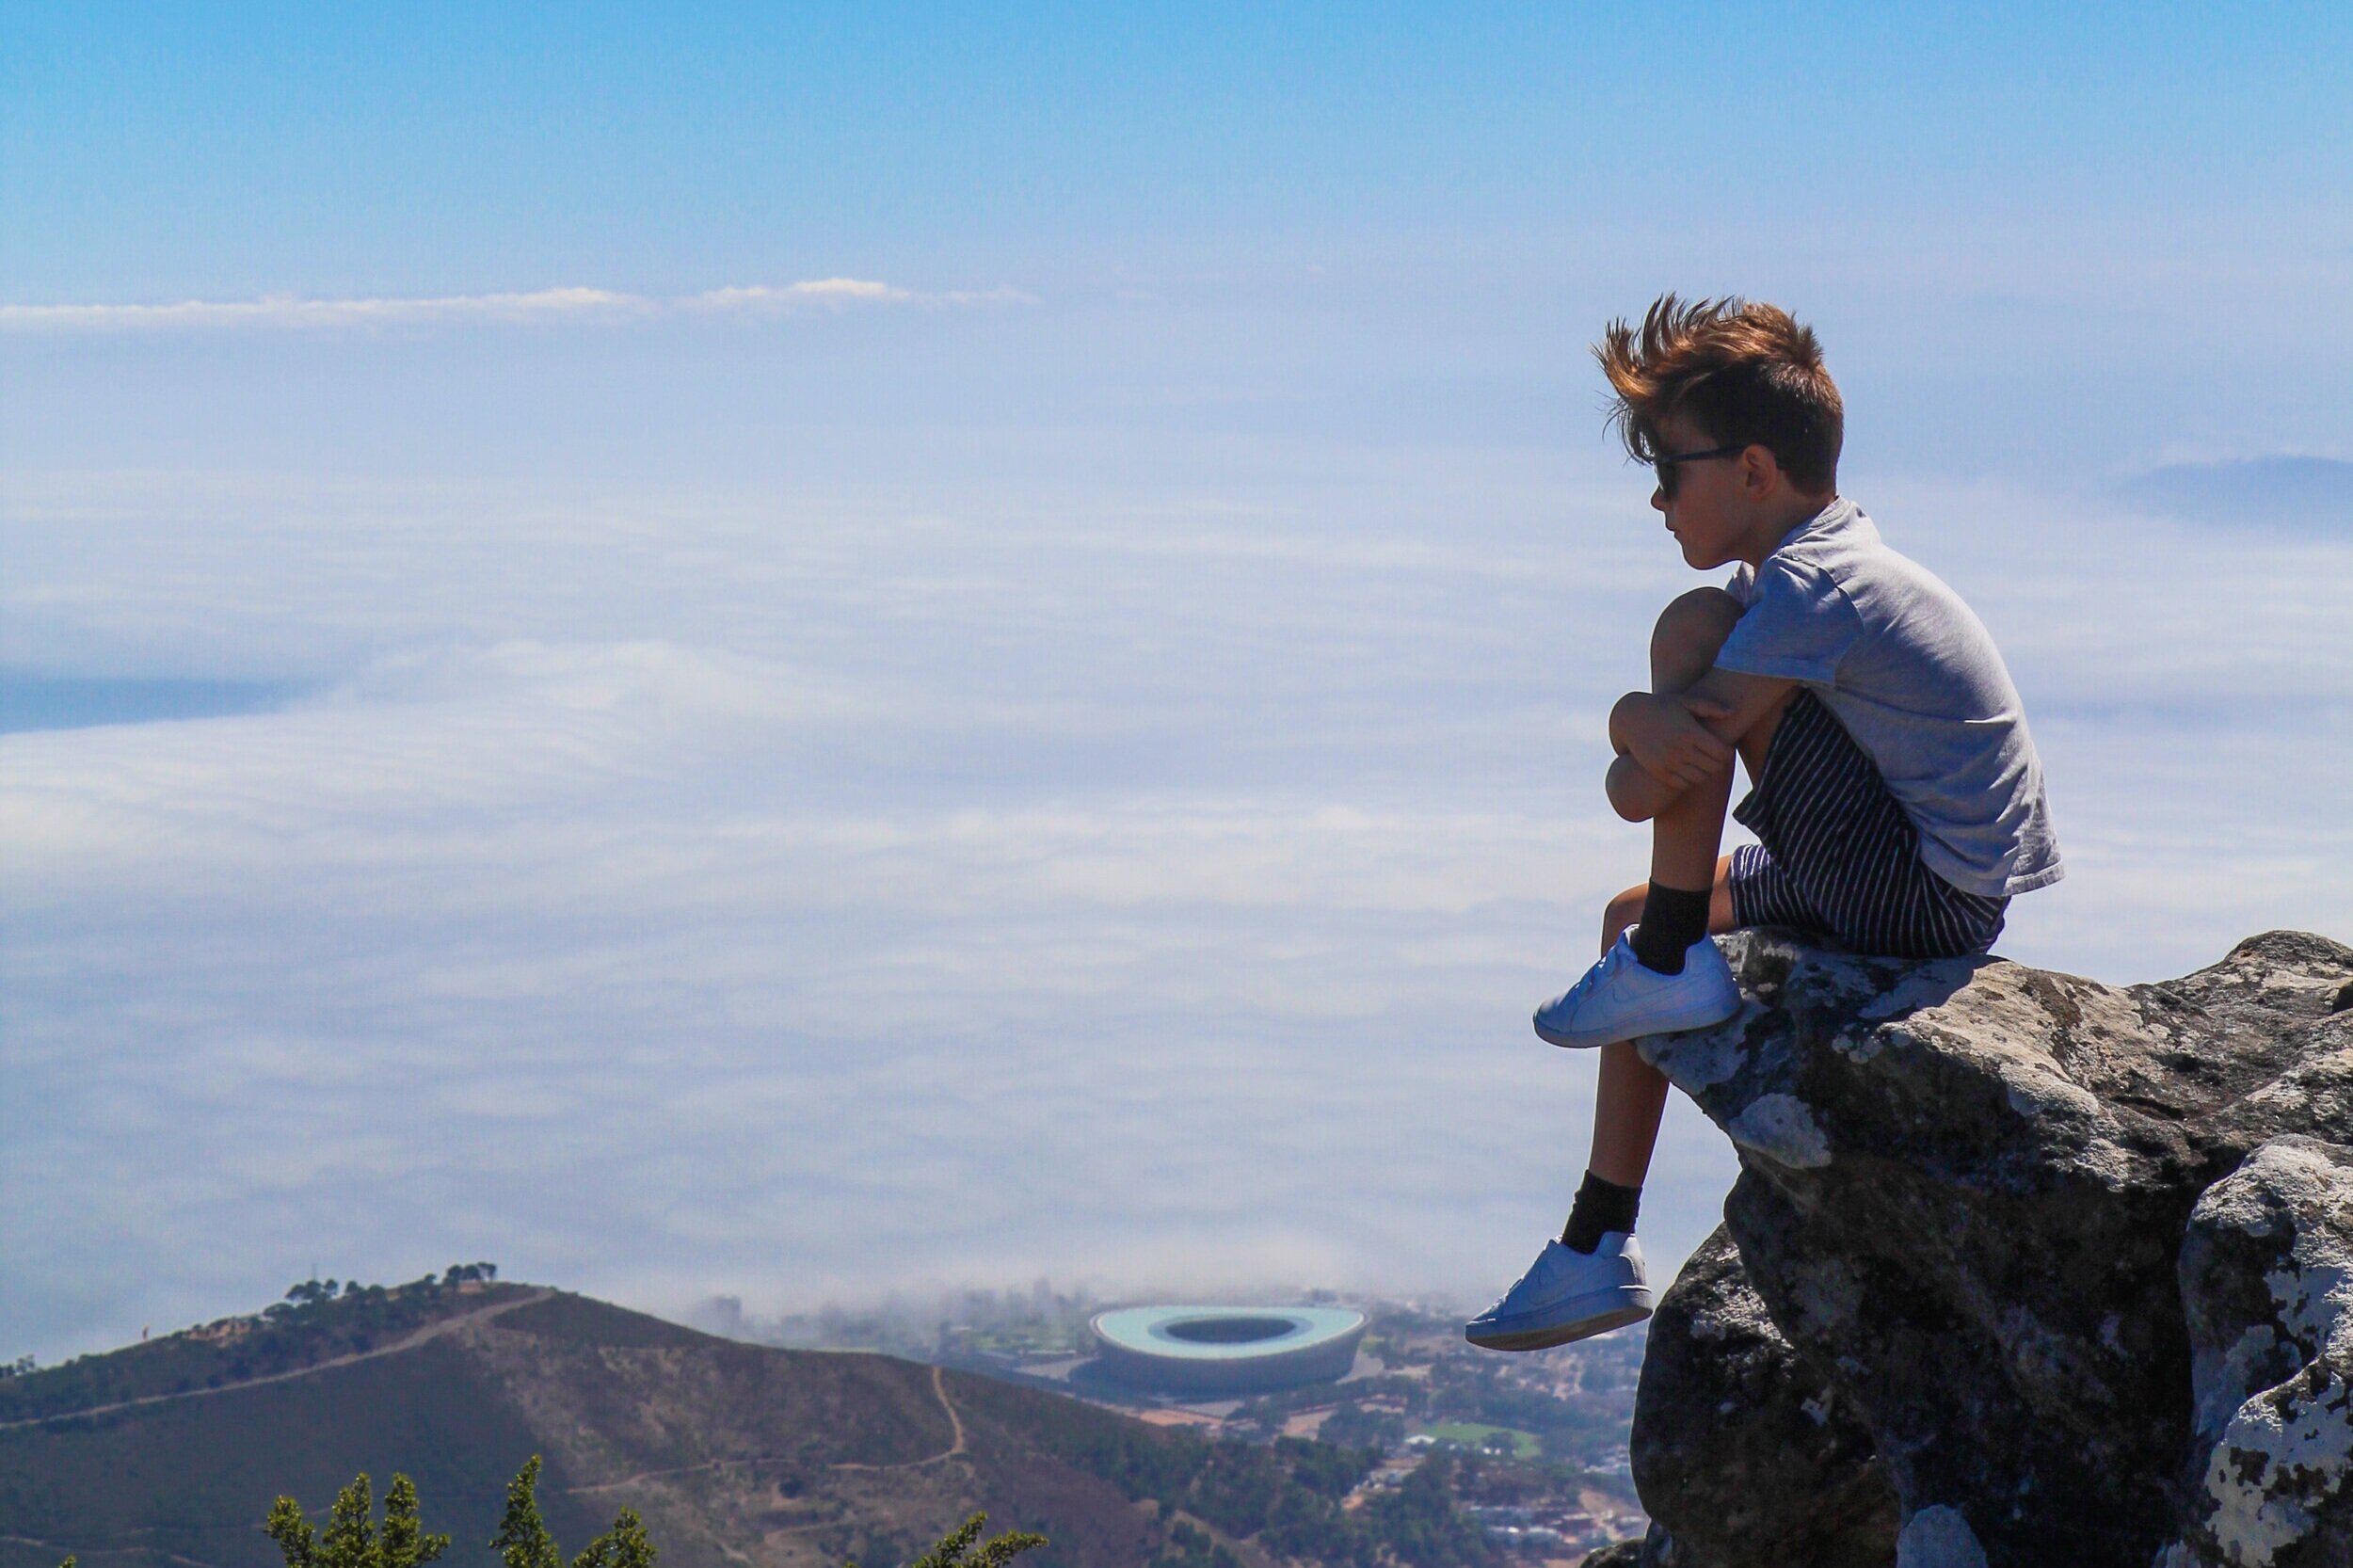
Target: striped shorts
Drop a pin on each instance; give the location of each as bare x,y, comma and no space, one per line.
1838,857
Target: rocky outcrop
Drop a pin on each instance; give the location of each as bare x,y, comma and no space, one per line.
1792,1481
2020,1270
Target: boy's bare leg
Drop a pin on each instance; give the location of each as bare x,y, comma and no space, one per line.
1581,1285
1686,830
1686,835
1632,1095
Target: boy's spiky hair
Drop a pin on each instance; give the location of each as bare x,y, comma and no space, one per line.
1746,374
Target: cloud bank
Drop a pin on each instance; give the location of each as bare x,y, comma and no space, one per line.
290,312
680,893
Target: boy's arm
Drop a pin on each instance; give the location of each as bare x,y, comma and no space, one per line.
1670,741
1730,702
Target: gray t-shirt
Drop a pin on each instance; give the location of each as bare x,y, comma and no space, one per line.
1914,676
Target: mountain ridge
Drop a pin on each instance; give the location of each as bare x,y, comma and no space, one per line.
736,1455
818,1456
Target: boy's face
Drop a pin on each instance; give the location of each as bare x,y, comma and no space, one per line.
1709,513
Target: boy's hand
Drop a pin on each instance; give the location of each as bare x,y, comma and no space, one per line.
1668,737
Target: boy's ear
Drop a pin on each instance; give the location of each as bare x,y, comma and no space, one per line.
1760,471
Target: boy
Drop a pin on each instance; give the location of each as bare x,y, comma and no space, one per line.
1894,788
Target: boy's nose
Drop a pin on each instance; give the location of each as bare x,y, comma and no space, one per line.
1658,499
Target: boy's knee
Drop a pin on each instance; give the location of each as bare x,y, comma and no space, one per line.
1690,632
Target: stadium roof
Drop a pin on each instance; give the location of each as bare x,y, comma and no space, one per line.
1236,1348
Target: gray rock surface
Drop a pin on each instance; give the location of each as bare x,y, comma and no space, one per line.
1965,1209
1793,1477
2267,1284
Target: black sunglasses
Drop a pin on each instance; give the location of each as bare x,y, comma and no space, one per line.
1665,463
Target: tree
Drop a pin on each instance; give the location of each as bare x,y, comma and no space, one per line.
403,1543
352,1540
522,1539
994,1553
624,1545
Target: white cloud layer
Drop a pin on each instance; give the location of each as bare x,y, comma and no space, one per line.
665,892
290,313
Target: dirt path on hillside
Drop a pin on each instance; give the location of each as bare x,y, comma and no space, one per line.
108,1551
956,1422
591,1489
409,1342
956,1425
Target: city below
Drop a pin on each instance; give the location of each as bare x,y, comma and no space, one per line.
1538,1441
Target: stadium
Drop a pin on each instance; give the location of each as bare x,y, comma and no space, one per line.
1226,1350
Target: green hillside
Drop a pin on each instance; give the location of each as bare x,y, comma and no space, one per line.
310,1327
734,1454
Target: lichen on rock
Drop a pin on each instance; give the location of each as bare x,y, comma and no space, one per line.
2267,1286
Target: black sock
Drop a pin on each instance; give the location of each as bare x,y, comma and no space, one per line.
1673,920
1600,1205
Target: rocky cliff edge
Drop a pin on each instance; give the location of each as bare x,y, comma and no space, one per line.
2020,1270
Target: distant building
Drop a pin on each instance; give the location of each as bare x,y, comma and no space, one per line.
1208,1350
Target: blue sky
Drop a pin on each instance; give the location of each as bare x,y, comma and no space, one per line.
454,148
800,653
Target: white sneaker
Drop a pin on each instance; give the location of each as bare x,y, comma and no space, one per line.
1619,1000
1568,1295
